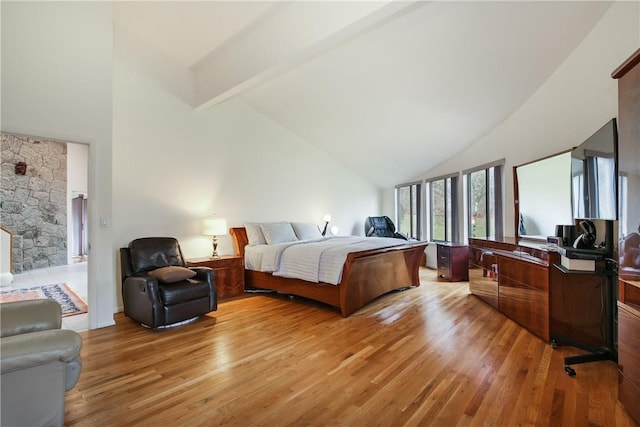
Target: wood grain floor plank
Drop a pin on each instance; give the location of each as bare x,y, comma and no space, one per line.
429,356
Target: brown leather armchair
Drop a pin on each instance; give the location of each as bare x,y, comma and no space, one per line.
158,289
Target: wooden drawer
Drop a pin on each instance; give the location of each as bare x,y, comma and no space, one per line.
526,305
524,272
629,396
482,285
629,344
444,250
228,272
444,272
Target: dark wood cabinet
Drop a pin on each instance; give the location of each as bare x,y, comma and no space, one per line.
628,75
453,262
514,279
528,284
629,346
228,272
524,293
483,282
628,356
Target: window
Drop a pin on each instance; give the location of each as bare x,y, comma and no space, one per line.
408,210
484,201
442,197
594,190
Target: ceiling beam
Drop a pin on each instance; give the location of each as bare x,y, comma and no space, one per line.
287,35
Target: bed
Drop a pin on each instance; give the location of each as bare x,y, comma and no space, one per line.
366,275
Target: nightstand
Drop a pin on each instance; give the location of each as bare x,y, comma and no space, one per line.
453,262
228,271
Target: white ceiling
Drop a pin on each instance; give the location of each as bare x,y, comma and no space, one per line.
399,94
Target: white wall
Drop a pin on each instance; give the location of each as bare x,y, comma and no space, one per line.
174,166
57,83
570,106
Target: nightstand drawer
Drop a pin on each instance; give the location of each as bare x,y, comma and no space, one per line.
228,272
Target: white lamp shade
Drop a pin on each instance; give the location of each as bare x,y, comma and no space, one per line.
214,226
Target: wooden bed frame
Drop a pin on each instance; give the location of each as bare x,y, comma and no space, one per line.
366,275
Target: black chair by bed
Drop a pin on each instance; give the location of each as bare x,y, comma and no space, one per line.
381,226
158,289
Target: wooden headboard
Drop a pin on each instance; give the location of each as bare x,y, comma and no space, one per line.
240,239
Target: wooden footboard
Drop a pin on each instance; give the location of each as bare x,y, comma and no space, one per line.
366,275
369,274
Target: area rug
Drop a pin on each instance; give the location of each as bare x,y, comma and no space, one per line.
71,303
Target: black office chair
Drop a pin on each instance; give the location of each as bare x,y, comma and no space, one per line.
381,226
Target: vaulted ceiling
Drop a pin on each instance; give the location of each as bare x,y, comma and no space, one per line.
389,88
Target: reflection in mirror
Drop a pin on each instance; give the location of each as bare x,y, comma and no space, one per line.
593,175
544,196
580,184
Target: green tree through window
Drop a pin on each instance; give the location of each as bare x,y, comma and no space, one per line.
408,210
484,202
443,208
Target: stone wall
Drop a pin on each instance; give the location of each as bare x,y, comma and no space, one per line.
34,205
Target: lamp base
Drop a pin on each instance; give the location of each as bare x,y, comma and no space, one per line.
215,248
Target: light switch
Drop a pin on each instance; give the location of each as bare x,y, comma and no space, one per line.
104,221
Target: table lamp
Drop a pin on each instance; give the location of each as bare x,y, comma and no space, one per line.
214,227
326,218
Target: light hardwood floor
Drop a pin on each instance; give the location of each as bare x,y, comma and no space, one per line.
432,355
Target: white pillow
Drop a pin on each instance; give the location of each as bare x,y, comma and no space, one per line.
254,233
278,232
306,230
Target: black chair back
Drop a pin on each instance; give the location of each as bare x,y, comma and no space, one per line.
381,226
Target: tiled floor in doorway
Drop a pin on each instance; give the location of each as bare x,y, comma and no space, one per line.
75,275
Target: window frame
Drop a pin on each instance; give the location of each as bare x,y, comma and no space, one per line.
450,217
497,225
417,226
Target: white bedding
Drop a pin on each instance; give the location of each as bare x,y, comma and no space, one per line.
315,261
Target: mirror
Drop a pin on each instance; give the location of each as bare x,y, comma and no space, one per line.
543,198
580,183
594,175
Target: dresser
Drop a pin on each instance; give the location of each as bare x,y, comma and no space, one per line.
453,262
228,272
514,278
628,75
526,282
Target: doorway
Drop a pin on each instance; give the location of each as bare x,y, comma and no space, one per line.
55,172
